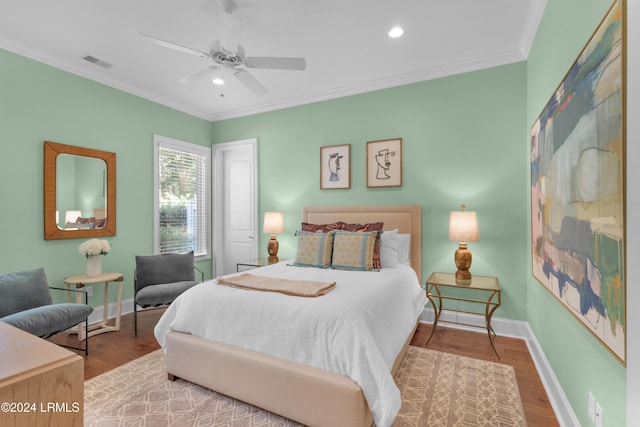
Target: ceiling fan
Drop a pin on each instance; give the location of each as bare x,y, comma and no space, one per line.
229,57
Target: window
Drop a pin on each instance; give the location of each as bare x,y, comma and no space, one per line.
182,174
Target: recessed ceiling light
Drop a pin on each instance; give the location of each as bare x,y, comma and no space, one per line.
396,32
218,81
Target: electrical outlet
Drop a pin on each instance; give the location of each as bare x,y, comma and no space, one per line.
599,415
592,407
89,290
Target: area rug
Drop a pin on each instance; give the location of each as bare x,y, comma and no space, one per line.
438,389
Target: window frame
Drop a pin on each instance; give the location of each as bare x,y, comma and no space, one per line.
160,142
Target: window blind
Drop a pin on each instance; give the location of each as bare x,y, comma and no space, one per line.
182,204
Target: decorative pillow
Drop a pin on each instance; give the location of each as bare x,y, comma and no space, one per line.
314,249
354,250
404,246
100,222
360,228
389,248
322,228
90,222
23,290
372,226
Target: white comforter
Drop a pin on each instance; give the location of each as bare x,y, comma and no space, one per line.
357,329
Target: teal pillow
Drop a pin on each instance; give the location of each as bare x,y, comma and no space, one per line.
314,249
23,290
353,250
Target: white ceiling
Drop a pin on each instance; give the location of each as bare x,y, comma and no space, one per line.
345,44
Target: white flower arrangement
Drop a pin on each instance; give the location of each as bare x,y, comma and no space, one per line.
94,247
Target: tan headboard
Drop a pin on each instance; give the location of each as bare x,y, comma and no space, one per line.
406,218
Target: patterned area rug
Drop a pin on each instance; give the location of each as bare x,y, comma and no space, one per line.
442,389
438,389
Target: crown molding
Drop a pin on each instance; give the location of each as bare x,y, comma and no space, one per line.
39,56
534,16
431,73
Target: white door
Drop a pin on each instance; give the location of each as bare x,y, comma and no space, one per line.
235,204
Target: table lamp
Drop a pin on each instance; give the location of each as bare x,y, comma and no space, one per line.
463,227
72,216
273,223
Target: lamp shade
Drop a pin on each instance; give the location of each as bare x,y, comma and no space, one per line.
72,216
273,223
463,226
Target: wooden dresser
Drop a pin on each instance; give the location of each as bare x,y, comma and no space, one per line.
41,384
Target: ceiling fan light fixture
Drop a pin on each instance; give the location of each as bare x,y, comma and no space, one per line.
396,32
228,56
218,78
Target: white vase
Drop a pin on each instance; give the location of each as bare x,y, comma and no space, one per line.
94,266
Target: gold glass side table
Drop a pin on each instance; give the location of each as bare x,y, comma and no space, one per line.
438,283
255,263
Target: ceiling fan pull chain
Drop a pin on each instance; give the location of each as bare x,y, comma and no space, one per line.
222,85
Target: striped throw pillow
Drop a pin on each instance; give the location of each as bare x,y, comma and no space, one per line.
353,250
314,249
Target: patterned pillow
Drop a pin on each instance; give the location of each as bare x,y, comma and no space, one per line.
314,249
353,250
82,220
372,226
322,228
359,228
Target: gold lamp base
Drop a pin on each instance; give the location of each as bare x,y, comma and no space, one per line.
463,258
272,248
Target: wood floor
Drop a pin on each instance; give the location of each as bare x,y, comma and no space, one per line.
110,350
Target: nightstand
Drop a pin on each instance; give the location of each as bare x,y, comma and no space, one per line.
255,263
440,286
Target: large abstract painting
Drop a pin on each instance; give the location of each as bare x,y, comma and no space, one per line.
577,188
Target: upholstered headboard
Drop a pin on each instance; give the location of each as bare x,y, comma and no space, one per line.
406,218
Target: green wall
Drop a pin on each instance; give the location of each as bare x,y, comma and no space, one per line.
39,103
463,142
579,361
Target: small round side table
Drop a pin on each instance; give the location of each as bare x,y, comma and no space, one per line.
80,281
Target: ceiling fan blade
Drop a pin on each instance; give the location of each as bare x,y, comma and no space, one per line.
174,46
230,27
275,63
250,82
199,75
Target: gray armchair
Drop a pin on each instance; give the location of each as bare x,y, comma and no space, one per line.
160,279
26,303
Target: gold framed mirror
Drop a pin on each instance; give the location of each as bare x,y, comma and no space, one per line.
79,192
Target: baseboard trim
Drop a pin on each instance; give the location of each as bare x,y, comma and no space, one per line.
521,330
503,327
97,316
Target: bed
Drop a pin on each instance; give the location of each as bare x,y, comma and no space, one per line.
304,391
